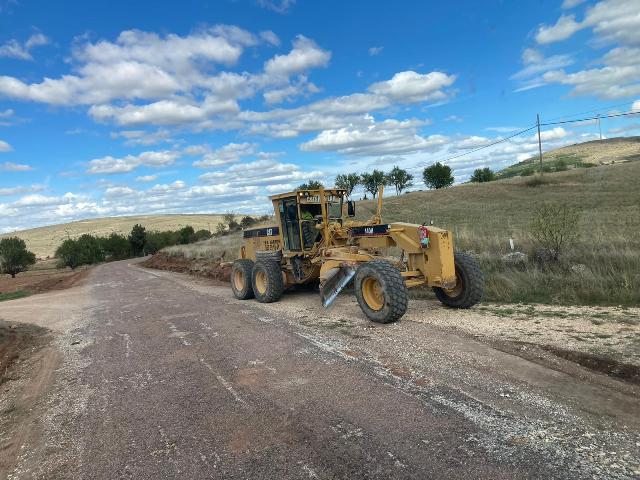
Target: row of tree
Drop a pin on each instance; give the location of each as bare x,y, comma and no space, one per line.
89,249
434,176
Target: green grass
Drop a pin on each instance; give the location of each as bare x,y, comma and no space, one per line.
14,295
483,217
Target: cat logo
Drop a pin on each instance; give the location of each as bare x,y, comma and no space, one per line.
269,232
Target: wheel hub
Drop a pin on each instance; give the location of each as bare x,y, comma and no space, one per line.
372,293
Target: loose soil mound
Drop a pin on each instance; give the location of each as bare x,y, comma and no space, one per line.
207,268
41,281
17,340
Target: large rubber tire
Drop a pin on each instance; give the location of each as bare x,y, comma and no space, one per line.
381,291
266,279
470,287
241,279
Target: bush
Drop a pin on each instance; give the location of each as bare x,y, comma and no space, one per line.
481,175
437,176
555,228
561,165
247,221
90,249
202,234
186,235
116,247
527,172
14,256
536,181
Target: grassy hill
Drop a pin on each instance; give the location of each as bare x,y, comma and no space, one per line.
586,154
44,240
603,267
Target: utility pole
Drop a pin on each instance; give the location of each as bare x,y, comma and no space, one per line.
599,126
539,141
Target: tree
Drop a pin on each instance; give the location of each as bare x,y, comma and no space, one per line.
399,178
221,229
311,185
373,181
90,249
230,220
481,175
14,256
138,239
68,254
116,247
437,176
186,234
347,181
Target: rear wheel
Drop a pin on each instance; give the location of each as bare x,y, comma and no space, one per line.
469,284
267,282
241,279
381,291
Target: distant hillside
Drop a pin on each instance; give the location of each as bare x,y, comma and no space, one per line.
44,240
596,152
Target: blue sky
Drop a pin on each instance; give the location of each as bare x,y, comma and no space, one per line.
120,108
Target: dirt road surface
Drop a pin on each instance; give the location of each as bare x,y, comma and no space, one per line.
156,375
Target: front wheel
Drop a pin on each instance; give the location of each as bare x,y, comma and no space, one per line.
267,282
381,291
469,284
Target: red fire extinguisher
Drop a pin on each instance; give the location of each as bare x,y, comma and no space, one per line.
423,233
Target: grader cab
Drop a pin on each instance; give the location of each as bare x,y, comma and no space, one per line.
314,241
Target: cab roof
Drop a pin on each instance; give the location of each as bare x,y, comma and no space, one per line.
308,193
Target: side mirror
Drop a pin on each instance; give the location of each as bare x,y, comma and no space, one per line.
351,208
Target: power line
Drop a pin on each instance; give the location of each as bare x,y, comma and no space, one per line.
591,111
502,140
635,112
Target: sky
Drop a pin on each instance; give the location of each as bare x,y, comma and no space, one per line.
127,108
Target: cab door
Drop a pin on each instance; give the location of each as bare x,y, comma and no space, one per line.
290,220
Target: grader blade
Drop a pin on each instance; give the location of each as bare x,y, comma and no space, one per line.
339,279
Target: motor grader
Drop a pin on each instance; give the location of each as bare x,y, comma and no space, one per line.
313,241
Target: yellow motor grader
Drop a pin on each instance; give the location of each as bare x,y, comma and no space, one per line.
313,241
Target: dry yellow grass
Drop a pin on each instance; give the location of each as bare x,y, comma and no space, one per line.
43,241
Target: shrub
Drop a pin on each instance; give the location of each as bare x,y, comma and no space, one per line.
536,181
186,235
481,175
561,165
437,176
14,256
116,247
247,221
202,234
90,249
527,172
555,227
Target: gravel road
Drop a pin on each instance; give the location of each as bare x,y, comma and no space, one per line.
157,375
